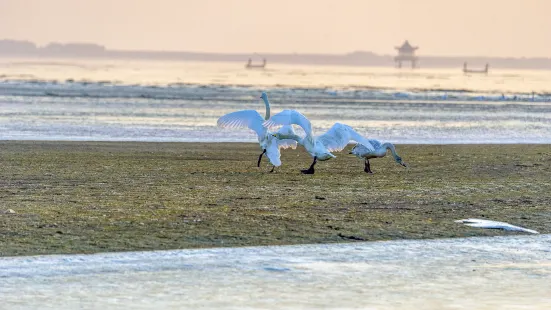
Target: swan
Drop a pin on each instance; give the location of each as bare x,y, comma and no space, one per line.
379,151
253,120
319,147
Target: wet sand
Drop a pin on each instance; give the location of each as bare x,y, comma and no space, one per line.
89,197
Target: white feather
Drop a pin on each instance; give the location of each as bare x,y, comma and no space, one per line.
494,225
338,137
244,118
287,143
290,117
335,139
272,152
253,120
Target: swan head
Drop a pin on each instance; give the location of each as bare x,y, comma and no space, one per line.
264,96
399,160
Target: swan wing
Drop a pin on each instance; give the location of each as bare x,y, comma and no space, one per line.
362,149
273,153
338,137
376,144
289,117
244,118
287,143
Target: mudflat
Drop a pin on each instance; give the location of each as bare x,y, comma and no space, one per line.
87,197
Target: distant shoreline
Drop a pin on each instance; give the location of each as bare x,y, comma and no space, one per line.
26,49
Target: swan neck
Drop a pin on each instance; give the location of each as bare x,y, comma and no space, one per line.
390,147
292,137
267,103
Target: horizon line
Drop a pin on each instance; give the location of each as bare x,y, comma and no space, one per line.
107,49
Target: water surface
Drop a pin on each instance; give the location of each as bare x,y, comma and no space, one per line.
511,272
181,101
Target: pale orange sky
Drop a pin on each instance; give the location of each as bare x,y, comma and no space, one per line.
439,27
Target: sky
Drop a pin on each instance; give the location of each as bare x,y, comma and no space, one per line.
502,28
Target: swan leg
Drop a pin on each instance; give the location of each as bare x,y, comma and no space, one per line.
367,167
311,169
260,158
273,167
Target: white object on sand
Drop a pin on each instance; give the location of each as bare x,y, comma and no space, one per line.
494,225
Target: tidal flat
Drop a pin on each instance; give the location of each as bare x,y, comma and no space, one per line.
88,197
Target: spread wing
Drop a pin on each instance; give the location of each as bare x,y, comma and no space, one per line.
273,154
338,137
244,118
287,143
289,117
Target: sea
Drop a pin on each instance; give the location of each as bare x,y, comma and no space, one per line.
179,101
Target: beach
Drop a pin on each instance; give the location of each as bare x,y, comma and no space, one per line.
130,133
118,190
88,197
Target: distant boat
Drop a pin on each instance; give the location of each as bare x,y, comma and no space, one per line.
466,70
250,64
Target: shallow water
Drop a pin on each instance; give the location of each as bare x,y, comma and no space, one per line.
159,101
162,73
475,273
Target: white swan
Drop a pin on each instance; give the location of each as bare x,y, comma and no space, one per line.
320,147
379,150
253,120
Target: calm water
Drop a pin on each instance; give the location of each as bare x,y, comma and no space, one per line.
476,273
181,101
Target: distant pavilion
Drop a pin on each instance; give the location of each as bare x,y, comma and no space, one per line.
406,52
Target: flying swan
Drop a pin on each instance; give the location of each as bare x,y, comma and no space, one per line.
378,150
319,147
253,120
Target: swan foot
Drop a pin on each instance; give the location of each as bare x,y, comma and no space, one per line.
311,169
273,167
367,167
260,158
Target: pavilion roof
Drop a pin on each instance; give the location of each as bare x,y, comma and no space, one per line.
406,47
